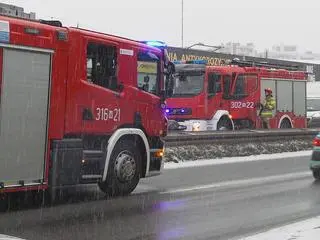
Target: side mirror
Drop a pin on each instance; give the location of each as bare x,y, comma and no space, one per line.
169,93
145,87
162,96
171,68
163,99
169,71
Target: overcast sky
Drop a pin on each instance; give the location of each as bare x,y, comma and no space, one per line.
209,21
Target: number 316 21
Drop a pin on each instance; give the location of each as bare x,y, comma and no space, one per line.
106,114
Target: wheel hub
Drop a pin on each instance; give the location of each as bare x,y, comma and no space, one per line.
125,167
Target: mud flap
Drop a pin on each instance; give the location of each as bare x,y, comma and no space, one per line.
66,157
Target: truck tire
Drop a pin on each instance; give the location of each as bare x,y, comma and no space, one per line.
124,169
224,124
285,123
316,174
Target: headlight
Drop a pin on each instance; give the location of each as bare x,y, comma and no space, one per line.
196,126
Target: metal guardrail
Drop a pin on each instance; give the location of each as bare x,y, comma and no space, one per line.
232,137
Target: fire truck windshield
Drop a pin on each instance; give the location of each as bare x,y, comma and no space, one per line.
188,84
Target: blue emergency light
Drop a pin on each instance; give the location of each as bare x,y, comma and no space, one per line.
199,61
179,62
157,44
178,111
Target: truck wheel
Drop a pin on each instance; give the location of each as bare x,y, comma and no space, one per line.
124,169
224,124
285,123
316,174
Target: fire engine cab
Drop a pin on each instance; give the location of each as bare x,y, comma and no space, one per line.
78,107
229,97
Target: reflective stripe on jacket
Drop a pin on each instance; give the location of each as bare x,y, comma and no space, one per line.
268,106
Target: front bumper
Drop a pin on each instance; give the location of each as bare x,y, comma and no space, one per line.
193,125
313,122
156,162
156,157
315,159
316,154
314,165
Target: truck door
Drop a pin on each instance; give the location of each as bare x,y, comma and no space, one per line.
226,91
23,115
214,92
244,98
148,82
97,105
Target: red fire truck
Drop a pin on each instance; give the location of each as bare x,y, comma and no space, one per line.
78,107
229,97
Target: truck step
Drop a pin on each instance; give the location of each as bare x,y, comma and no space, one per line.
92,154
91,176
92,166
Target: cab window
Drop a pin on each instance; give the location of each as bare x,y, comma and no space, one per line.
148,66
245,84
102,65
214,83
226,85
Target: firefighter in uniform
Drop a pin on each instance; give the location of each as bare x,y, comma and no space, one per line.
267,108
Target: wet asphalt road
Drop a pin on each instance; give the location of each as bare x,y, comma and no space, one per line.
232,200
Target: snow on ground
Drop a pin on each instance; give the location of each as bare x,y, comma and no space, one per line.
7,237
214,151
304,230
227,160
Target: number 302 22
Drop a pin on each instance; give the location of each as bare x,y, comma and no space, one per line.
242,105
105,114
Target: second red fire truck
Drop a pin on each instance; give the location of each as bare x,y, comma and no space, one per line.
229,97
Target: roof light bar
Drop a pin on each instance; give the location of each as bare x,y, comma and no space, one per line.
192,62
157,44
179,62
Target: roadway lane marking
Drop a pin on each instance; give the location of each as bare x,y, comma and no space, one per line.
244,182
303,230
220,161
143,188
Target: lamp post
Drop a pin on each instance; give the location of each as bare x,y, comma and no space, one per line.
182,23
